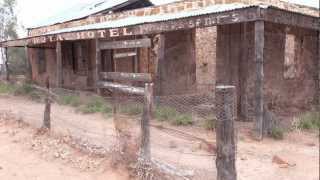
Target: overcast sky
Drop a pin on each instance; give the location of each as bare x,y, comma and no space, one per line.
32,11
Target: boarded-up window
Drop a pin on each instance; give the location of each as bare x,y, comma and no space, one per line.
42,65
290,69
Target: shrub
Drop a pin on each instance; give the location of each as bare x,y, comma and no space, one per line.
95,105
182,120
24,90
209,124
71,100
131,110
7,88
173,116
165,113
310,121
276,133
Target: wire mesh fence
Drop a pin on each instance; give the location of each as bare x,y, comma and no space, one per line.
182,141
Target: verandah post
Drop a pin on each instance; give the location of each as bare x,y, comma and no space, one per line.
59,70
28,64
259,61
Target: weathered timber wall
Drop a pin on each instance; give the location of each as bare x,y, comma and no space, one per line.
289,67
40,77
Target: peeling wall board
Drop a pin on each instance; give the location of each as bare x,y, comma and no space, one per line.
137,77
123,55
122,88
125,44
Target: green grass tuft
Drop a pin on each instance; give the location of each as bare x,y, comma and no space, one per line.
131,110
70,100
96,105
277,133
7,88
310,121
173,116
209,124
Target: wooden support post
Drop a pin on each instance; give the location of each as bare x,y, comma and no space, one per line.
145,123
7,64
259,60
136,61
318,74
47,110
225,132
28,64
59,65
97,65
159,62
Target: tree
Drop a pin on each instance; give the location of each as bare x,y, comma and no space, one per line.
8,31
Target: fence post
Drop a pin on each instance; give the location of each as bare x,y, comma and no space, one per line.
47,110
145,151
145,122
225,132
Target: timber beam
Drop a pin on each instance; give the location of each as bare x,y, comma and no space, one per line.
249,14
122,88
132,77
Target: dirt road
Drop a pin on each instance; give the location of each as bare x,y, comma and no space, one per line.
254,159
23,156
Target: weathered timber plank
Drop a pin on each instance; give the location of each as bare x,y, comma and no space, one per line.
146,42
123,55
259,52
134,77
121,87
289,18
59,64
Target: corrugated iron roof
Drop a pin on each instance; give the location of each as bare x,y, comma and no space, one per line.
80,11
83,10
136,20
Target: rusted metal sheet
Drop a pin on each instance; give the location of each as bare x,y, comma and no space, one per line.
236,16
146,42
137,77
176,7
122,88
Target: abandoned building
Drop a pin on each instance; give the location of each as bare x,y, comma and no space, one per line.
268,49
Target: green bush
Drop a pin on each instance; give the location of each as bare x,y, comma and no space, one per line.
96,105
310,121
131,110
277,133
173,116
165,113
7,88
24,90
182,120
70,100
209,124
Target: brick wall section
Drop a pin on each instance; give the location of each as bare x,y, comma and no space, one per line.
206,39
